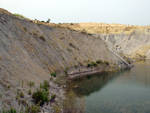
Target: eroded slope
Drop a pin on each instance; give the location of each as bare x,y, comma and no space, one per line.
30,52
134,45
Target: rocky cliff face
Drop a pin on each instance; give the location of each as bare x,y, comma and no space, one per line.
30,52
134,45
129,40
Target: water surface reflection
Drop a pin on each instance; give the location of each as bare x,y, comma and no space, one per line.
120,92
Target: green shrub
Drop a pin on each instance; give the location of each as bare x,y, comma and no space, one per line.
53,97
45,85
8,87
40,97
29,92
51,78
53,74
89,65
48,21
92,64
106,62
89,34
21,94
115,64
31,83
99,61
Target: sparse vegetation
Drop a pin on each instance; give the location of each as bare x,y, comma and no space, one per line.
18,90
23,102
17,97
106,62
92,64
21,94
29,92
115,64
31,83
53,97
141,56
89,34
21,16
95,64
48,21
12,110
53,74
83,31
51,78
1,96
35,53
45,85
72,105
32,109
40,97
35,34
99,61
66,71
8,87
19,101
57,108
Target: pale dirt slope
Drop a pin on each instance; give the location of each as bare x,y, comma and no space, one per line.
30,52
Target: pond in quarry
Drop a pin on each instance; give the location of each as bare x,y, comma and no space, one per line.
126,91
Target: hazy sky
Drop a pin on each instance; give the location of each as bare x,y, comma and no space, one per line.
133,12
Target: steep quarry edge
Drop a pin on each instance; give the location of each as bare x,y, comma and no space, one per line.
31,53
135,45
131,41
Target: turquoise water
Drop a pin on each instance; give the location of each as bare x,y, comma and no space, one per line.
126,91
